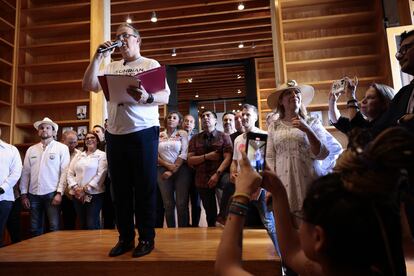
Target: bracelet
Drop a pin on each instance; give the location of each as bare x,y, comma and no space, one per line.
352,101
240,205
238,209
244,195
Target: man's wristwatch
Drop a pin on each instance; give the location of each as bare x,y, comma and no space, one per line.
150,99
218,172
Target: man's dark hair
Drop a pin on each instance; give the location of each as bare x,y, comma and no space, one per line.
101,127
229,112
212,112
405,34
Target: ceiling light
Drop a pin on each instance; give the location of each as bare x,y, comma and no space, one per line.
234,110
240,7
239,76
202,107
241,45
238,110
173,53
238,91
129,20
154,17
196,95
253,45
240,104
190,80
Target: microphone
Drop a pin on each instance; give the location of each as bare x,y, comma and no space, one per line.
117,43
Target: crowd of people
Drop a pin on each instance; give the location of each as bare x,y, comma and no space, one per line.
324,214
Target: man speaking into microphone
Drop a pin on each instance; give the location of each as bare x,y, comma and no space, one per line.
132,142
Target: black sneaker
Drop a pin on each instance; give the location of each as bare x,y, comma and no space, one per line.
143,248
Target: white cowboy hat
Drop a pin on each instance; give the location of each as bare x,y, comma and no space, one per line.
46,120
307,92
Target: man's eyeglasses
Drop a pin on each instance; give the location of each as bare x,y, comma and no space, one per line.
124,35
403,49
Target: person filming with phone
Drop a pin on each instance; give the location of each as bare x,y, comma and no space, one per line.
375,102
132,142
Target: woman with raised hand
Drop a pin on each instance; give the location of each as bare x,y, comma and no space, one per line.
173,182
86,176
375,102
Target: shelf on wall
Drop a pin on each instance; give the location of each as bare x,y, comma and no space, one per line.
60,123
301,3
4,82
331,41
4,124
2,40
54,104
53,84
5,23
328,21
57,66
57,47
315,64
8,63
4,103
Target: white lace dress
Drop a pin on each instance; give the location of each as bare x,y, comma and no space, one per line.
289,155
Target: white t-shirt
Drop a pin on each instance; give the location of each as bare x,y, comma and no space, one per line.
131,117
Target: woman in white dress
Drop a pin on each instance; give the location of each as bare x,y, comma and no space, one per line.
295,141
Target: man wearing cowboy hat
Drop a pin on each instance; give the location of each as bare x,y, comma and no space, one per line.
42,182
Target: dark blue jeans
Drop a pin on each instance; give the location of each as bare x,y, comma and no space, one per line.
132,162
39,205
208,198
88,212
5,207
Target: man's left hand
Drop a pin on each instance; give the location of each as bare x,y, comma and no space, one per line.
57,199
212,182
138,93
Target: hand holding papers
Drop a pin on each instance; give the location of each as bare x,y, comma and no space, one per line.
115,86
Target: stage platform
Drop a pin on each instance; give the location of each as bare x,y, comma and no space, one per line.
181,251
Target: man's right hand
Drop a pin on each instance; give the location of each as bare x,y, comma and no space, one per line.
25,202
106,44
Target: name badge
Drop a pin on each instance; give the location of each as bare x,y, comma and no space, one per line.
52,156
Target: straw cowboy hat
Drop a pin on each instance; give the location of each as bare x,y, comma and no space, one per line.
307,92
46,120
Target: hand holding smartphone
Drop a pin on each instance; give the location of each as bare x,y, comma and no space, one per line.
256,150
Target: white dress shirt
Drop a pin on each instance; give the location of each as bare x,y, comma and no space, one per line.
88,170
43,169
10,169
65,173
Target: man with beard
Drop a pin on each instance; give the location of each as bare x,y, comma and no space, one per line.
228,123
42,182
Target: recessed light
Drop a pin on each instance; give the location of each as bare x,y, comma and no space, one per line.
238,91
196,95
241,45
202,107
129,20
173,53
240,7
190,80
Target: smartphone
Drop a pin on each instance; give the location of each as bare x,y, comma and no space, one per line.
338,86
256,150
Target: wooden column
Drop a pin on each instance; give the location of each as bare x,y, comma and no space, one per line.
100,32
277,41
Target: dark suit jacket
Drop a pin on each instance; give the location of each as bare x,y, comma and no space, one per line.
396,110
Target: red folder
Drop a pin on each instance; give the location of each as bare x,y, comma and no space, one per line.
153,80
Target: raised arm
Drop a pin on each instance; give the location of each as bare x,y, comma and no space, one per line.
90,78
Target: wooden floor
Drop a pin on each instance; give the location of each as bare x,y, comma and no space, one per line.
183,251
